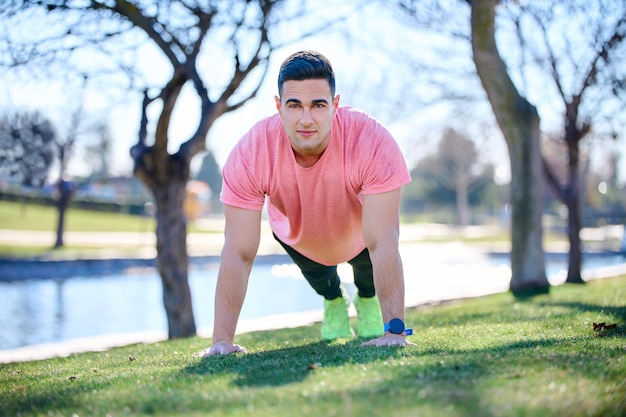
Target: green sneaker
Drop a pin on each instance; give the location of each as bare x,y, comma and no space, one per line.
370,317
336,324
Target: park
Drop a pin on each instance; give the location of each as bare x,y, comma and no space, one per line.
117,125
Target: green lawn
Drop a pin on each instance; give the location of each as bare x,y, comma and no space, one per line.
32,217
18,216
491,356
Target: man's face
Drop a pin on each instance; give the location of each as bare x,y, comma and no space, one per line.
307,110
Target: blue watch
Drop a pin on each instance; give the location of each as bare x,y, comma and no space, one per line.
396,326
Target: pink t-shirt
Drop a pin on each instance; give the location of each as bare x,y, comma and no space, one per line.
315,210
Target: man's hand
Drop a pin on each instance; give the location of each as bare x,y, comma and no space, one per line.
221,348
388,339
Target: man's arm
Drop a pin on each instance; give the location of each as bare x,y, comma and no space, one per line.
381,231
242,233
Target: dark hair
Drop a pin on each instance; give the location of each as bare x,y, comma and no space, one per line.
306,65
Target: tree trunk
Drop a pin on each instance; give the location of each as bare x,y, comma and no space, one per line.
574,268
528,273
64,196
574,220
172,259
519,123
60,226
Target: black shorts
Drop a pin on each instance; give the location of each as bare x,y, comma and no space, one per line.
325,280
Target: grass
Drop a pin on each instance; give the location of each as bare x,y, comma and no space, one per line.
32,217
491,356
18,216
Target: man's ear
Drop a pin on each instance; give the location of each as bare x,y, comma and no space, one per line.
336,102
277,99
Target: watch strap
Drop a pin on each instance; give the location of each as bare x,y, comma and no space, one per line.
396,326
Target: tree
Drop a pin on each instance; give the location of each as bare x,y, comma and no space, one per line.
26,147
166,174
581,54
519,122
517,119
456,167
567,59
29,146
235,39
65,187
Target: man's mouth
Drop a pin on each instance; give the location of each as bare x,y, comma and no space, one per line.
306,133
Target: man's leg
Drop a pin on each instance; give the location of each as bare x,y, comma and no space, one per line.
325,281
363,274
366,303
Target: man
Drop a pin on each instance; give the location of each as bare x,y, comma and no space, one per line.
332,178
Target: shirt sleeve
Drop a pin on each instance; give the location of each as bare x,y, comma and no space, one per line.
383,167
240,176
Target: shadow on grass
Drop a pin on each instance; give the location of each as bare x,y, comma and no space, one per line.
514,310
288,365
412,379
283,366
459,382
619,312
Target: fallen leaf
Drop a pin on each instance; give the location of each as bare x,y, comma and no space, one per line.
600,327
313,366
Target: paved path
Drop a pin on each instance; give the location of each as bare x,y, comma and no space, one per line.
142,244
210,243
137,244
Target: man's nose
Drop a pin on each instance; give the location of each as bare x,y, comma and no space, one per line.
306,118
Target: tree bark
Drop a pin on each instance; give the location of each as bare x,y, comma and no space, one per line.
574,218
64,196
519,122
172,257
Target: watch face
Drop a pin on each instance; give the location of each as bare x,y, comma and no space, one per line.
396,326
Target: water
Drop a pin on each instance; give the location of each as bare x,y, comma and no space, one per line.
44,311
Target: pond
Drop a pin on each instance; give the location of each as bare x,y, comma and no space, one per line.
52,310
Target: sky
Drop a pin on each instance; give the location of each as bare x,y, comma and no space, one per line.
365,79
